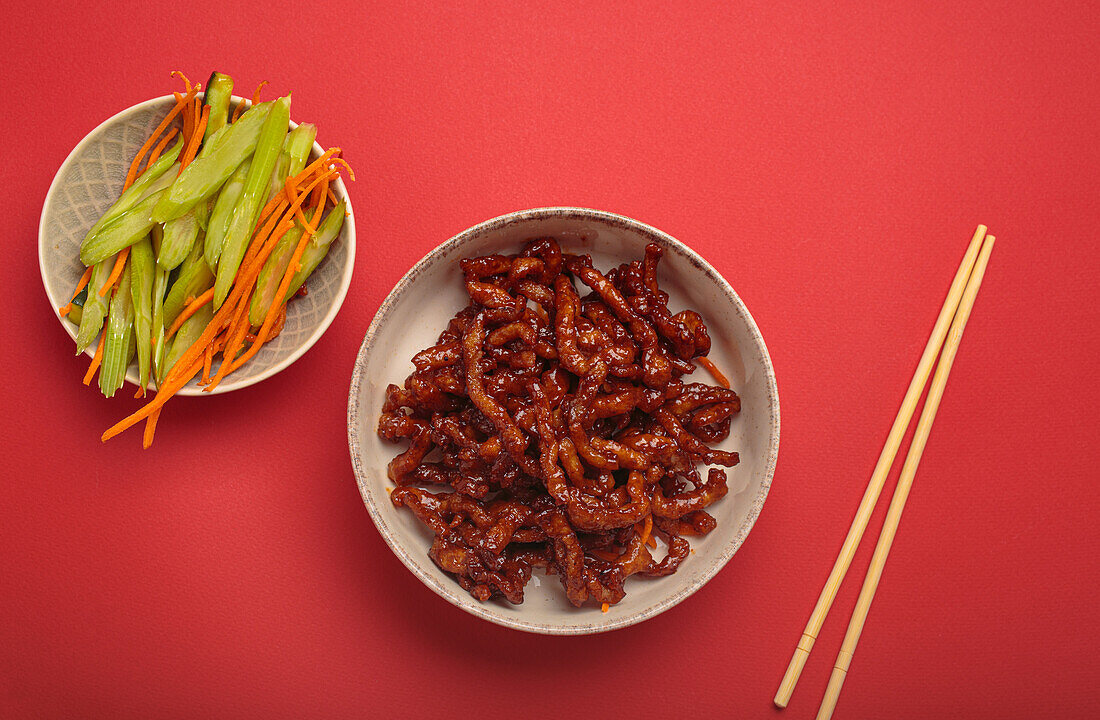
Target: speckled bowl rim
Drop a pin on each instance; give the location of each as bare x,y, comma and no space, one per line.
451,591
347,236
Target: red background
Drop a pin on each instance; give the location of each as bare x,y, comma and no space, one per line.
831,161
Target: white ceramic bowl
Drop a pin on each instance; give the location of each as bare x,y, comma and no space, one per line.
91,179
424,300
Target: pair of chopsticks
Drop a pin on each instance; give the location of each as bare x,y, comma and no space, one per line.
955,313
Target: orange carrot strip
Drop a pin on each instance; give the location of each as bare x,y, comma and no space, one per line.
292,183
276,330
605,607
274,208
714,371
326,158
256,95
318,202
237,111
188,125
183,116
319,195
189,311
153,156
116,271
190,114
271,206
192,148
181,76
275,205
131,175
340,159
150,428
96,359
280,323
305,223
213,349
288,193
64,309
207,361
169,388
260,239
235,334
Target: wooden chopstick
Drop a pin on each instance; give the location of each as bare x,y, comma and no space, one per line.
882,469
905,482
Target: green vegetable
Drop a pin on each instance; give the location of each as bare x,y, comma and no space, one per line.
318,246
179,237
278,175
76,312
81,298
300,144
202,213
218,93
188,333
124,229
160,285
120,328
223,209
292,159
142,279
272,274
95,307
194,279
241,222
213,165
140,188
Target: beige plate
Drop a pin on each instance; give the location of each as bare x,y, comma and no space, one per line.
90,180
424,300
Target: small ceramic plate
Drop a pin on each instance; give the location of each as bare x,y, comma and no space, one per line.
91,179
413,315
